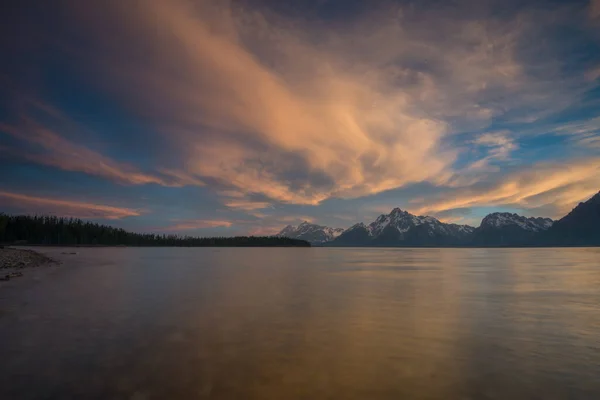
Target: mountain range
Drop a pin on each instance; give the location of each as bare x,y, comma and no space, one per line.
581,227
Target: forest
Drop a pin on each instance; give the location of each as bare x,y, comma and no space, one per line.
61,231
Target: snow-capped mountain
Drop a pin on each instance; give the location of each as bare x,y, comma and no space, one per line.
400,228
499,220
315,234
506,229
403,221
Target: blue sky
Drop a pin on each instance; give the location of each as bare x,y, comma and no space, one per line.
208,117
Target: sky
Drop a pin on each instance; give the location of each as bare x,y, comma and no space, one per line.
228,117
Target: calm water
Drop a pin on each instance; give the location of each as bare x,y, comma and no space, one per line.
165,323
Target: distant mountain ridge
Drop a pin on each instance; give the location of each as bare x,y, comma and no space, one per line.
403,228
581,227
531,224
507,229
315,234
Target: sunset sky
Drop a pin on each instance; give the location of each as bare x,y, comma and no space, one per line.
216,117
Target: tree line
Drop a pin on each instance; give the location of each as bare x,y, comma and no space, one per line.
52,230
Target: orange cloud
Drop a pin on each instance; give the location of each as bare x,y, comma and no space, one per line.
317,123
247,204
259,105
58,151
68,208
500,144
453,219
197,224
555,188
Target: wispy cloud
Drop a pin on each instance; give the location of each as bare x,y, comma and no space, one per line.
189,225
584,133
264,110
297,218
247,205
44,145
499,145
32,204
309,121
593,74
552,188
595,9
260,105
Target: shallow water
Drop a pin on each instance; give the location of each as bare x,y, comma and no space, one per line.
315,323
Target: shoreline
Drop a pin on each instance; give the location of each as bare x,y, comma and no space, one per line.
15,262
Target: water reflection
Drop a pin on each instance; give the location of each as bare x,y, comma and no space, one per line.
308,323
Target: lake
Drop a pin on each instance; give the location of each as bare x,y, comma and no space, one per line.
305,323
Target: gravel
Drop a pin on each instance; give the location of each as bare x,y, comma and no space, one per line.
13,261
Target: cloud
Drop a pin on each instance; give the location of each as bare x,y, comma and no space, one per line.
590,142
188,225
247,205
594,73
489,149
47,147
344,218
460,216
584,133
594,9
264,109
61,153
499,144
261,104
552,188
459,220
297,218
67,208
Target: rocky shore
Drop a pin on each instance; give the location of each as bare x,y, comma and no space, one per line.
13,262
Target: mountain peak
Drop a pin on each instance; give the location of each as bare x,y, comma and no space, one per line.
397,211
400,227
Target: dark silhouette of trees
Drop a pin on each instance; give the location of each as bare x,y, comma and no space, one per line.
52,230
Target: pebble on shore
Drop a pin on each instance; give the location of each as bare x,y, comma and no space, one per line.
14,260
